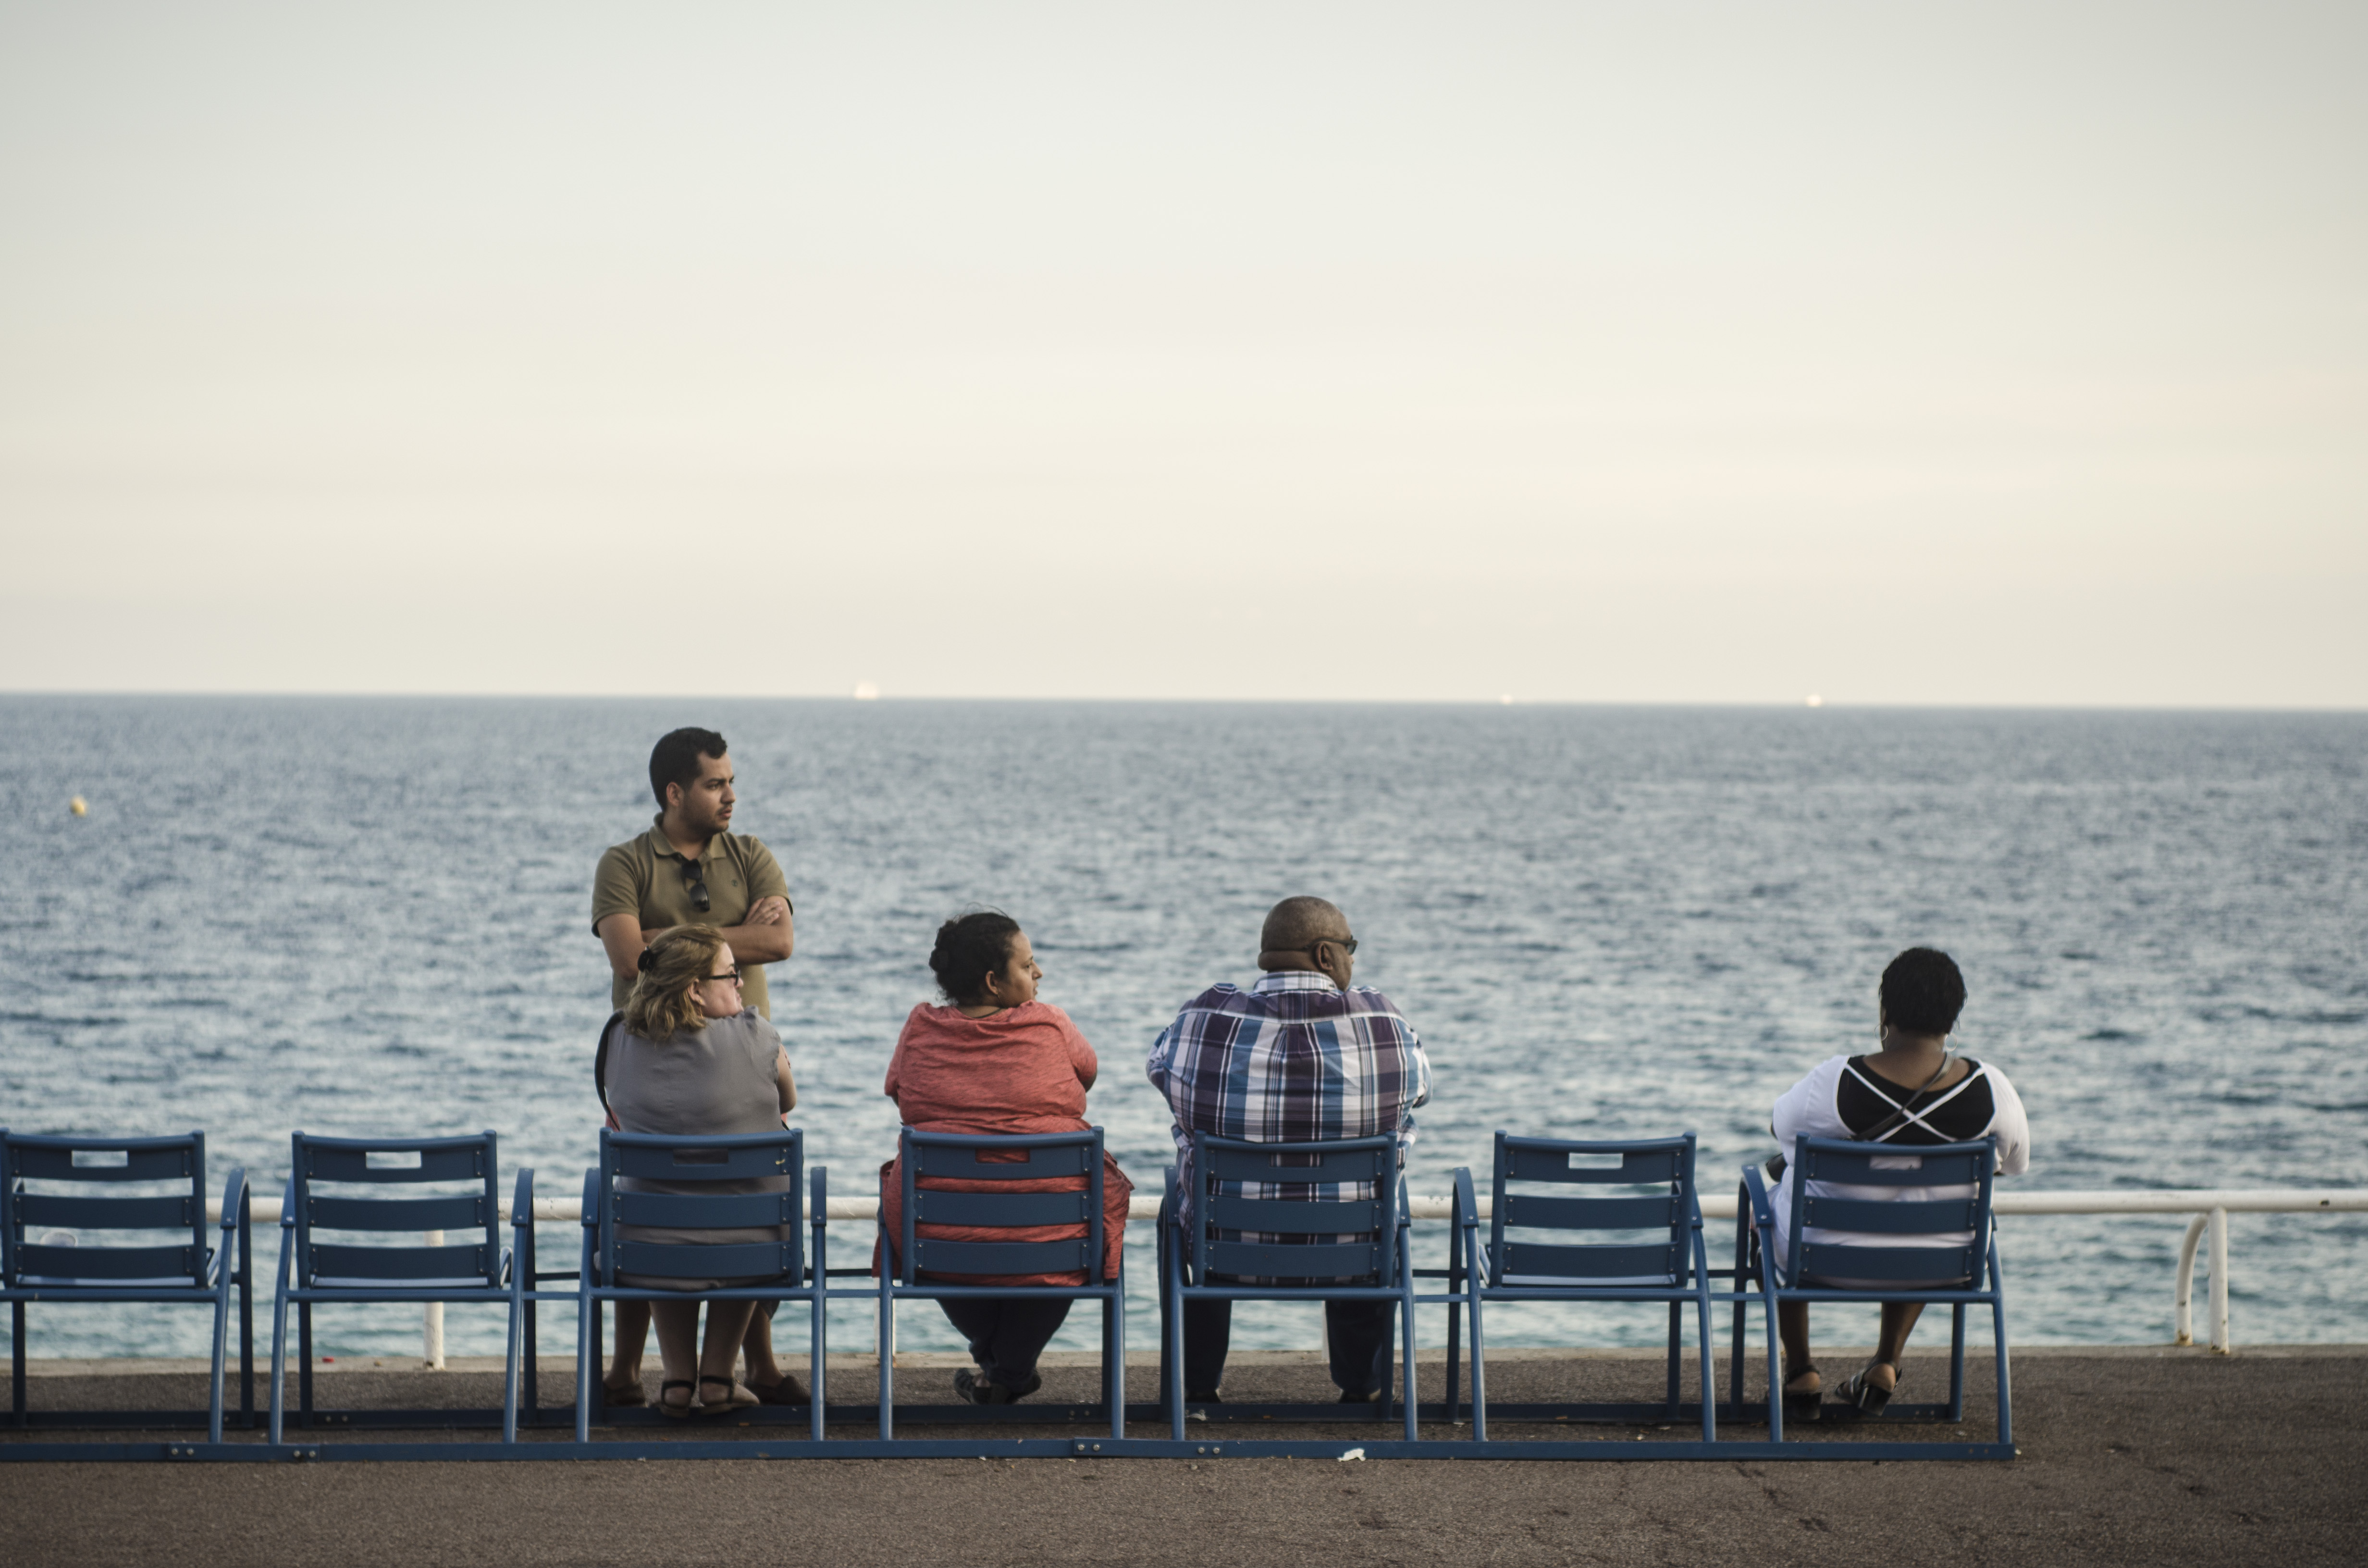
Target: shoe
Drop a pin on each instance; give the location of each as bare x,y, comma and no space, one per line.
622,1396
1372,1396
739,1397
789,1391
976,1390
677,1411
1859,1392
1803,1405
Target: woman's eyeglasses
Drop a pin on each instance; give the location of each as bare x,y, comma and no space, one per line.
731,975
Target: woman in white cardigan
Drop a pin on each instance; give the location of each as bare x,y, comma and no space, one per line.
1910,1091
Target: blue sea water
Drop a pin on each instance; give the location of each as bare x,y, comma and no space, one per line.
372,916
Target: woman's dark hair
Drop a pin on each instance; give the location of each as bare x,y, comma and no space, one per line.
1922,992
674,759
969,947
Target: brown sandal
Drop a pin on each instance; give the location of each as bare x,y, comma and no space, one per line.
620,1396
677,1411
789,1391
741,1398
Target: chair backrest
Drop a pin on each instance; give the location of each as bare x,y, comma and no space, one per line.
1044,1156
1293,1190
683,1162
336,1185
171,1173
1642,1235
1846,1163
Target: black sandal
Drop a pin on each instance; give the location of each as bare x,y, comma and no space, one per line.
678,1411
1802,1404
741,1399
1861,1393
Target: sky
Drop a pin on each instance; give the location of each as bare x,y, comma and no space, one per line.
2014,354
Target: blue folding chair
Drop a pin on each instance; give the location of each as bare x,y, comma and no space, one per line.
1207,1258
315,1272
1658,1256
1969,1268
775,1270
43,1269
908,1257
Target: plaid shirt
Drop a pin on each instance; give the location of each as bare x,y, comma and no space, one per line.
1295,1058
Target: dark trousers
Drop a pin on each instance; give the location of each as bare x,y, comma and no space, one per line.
1006,1337
1359,1332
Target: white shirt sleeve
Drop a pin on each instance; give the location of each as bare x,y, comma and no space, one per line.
2011,1126
1808,1107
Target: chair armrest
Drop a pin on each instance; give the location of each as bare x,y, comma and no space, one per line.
288,1205
1467,1204
1755,1192
233,1190
522,1201
591,1197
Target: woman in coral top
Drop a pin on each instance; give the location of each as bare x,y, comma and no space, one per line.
994,1059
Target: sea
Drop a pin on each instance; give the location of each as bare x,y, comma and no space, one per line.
359,916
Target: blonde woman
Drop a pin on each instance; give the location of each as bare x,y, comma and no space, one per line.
689,1058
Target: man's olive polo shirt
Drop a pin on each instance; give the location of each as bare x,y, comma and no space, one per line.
644,878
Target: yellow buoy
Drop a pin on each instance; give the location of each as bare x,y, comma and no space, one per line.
79,806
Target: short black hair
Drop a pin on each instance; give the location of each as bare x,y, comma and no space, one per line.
969,947
674,759
1922,992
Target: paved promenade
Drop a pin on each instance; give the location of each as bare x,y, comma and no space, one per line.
2128,1457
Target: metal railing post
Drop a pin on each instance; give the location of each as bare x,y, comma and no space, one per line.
2183,1289
431,1337
2220,1281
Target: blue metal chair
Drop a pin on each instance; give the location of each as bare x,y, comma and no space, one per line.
1814,1270
1659,1257
1205,1257
38,1269
776,1270
313,1272
907,1255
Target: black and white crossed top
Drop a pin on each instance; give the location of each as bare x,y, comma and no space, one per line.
1842,1097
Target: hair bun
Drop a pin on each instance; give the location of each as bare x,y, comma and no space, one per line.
642,963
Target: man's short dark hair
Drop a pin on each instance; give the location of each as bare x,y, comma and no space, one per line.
674,759
1922,992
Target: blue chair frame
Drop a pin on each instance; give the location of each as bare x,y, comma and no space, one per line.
781,1270
194,1272
315,1272
907,1256
1673,1268
1806,1275
1189,1260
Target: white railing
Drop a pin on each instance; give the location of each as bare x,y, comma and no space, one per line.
2209,1206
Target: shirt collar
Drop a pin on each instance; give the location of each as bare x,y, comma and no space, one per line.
1294,980
661,844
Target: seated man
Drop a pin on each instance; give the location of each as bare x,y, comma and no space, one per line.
1301,1057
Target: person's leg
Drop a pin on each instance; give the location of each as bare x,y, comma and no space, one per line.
727,1325
975,1321
1022,1329
1891,1344
678,1325
1800,1367
633,1335
1360,1336
1208,1335
766,1378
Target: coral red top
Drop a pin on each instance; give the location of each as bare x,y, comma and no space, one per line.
1025,1069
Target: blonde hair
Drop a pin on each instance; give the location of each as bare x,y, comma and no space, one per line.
662,1005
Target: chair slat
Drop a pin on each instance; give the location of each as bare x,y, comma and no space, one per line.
38,1164
964,1164
178,1212
388,1264
1593,1213
719,1260
1289,1217
1825,1260
1288,1168
1333,1260
463,1211
1856,1169
1891,1219
184,1262
999,1257
693,1164
1636,1167
339,1162
705,1211
1662,1261
998,1209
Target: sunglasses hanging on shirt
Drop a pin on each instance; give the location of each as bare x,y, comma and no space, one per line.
697,879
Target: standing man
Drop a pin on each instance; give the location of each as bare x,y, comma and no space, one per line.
1301,1057
692,869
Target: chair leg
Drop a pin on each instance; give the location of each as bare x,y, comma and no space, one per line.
1997,1318
1709,1371
220,1352
818,1337
1174,1297
1677,1327
1479,1370
247,1334
510,1361
16,1363
887,1350
304,1365
1957,1362
276,1420
1405,1337
1454,1369
587,1355
1117,1362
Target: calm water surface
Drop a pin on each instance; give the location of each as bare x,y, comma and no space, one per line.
358,916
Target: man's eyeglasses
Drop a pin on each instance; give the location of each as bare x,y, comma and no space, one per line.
729,975
692,874
1346,943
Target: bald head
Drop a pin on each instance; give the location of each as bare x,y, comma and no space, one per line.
1292,929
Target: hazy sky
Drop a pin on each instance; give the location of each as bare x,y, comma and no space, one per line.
1635,352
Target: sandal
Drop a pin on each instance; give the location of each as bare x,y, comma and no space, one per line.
1802,1404
976,1390
678,1411
621,1397
1861,1392
789,1391
741,1398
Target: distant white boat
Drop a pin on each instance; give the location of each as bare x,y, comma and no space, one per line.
866,692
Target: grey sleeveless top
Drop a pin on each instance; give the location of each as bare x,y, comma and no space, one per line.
718,1080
